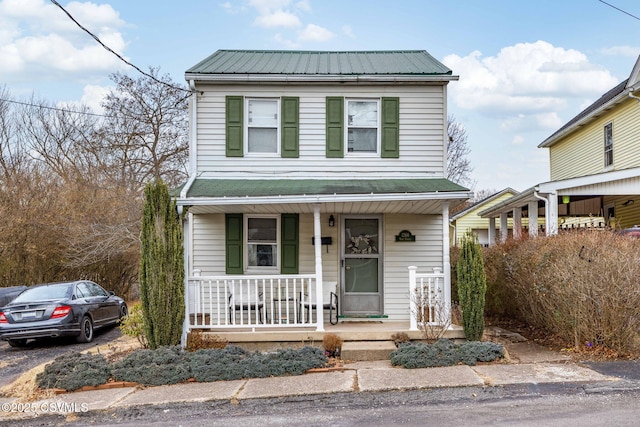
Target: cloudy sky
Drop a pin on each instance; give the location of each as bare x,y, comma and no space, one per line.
525,66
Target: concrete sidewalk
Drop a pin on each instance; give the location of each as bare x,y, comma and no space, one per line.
526,363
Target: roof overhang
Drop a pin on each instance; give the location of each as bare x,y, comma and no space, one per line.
319,79
335,196
618,99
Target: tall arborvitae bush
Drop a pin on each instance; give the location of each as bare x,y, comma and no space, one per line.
472,286
161,267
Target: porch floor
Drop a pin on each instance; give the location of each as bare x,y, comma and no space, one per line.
266,338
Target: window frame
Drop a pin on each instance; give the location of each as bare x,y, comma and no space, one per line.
246,126
608,145
257,268
378,128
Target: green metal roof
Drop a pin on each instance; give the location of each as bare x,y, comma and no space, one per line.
317,63
299,187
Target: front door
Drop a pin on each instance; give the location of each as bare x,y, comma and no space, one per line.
361,291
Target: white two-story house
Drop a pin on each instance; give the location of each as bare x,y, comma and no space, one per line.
311,173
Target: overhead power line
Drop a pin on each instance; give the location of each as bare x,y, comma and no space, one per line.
64,110
97,39
618,9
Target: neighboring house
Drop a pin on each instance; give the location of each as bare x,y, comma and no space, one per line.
595,168
314,172
469,219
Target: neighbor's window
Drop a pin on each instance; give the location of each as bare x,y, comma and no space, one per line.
262,126
608,145
262,242
362,126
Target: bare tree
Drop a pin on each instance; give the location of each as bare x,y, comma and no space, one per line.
146,131
458,165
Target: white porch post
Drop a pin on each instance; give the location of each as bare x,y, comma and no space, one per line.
492,231
504,227
186,232
413,306
317,234
517,223
552,214
446,261
533,219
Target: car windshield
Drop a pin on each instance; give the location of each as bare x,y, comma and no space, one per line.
43,293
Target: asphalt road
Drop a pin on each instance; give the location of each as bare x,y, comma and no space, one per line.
537,405
16,361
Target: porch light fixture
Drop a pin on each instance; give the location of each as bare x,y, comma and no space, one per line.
332,221
627,203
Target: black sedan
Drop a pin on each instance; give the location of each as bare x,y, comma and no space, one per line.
59,309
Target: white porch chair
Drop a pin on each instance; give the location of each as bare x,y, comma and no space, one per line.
245,301
329,299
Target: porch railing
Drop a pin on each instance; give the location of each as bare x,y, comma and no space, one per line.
427,298
240,302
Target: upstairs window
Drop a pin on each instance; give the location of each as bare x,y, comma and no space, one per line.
608,145
362,126
262,126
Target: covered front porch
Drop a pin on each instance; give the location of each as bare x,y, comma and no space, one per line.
359,251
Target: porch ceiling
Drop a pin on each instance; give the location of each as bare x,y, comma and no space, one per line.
413,196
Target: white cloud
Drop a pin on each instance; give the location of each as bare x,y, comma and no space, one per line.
93,95
278,19
37,39
315,33
629,51
303,5
527,78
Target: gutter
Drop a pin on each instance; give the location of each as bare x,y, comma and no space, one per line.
324,198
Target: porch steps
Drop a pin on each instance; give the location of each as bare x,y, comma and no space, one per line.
361,351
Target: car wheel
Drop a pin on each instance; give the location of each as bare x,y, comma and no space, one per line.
86,330
17,343
124,311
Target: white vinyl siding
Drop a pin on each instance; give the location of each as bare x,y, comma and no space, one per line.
425,253
422,130
208,244
582,153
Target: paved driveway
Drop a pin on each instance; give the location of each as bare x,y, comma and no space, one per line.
15,361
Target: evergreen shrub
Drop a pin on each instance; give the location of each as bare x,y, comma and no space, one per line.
75,370
445,352
165,365
232,363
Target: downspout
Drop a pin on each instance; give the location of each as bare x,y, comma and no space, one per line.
193,143
546,210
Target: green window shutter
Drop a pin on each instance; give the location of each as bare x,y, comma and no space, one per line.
289,244
234,126
335,126
390,128
290,126
234,244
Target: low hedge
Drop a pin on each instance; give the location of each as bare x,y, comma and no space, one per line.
171,365
445,352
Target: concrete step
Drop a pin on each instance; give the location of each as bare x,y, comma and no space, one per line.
360,351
